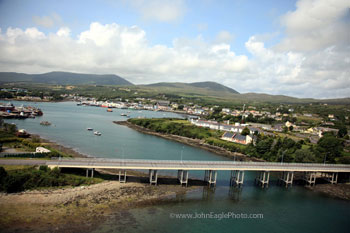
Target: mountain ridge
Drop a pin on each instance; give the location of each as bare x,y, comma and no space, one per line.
64,78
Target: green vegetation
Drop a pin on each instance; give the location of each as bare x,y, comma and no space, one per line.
9,139
329,148
185,129
17,180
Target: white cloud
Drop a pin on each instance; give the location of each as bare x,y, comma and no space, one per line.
160,10
47,21
224,37
316,24
113,48
289,68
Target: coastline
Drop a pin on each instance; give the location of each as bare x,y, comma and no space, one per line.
60,147
191,142
79,209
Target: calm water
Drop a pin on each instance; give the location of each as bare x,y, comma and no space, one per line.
292,210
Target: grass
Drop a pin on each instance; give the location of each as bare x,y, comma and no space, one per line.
17,178
16,167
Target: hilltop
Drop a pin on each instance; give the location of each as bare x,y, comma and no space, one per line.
63,78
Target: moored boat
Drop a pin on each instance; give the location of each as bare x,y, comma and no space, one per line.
97,133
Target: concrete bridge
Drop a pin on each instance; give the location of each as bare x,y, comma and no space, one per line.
310,171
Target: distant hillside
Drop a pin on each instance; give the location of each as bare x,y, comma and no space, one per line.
63,78
209,86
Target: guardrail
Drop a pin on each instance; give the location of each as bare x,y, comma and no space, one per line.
93,161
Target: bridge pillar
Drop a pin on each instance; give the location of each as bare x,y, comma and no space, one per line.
310,178
210,177
153,176
331,177
237,178
92,172
122,176
287,178
263,178
182,175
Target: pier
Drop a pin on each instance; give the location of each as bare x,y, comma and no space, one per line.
311,171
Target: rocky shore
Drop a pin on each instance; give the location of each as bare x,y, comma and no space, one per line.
59,147
340,191
191,142
78,209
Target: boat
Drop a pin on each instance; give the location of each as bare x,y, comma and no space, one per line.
123,114
109,110
97,133
90,129
46,123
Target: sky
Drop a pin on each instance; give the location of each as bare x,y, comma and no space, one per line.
296,48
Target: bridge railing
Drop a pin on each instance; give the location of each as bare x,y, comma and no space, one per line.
198,162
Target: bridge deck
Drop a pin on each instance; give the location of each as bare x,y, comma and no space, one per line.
139,164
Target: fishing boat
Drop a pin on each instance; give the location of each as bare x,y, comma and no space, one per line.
97,133
46,123
90,129
109,110
123,114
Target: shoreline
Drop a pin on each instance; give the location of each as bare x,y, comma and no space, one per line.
82,208
191,142
60,147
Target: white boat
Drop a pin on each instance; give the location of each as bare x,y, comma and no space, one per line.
97,133
123,114
90,129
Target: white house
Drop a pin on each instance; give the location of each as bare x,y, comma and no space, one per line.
41,150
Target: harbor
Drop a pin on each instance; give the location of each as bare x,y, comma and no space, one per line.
9,111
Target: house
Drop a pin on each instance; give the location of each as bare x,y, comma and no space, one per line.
163,105
42,150
237,138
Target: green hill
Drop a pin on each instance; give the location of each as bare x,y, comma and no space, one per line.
63,78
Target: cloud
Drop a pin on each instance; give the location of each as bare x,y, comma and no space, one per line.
316,24
48,21
160,10
113,48
289,68
224,37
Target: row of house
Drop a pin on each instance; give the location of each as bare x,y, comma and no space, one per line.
238,128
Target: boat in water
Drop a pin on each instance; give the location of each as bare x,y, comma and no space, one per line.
109,110
90,129
97,133
46,123
123,114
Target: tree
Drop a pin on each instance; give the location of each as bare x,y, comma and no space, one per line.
329,147
291,128
304,156
245,131
342,131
